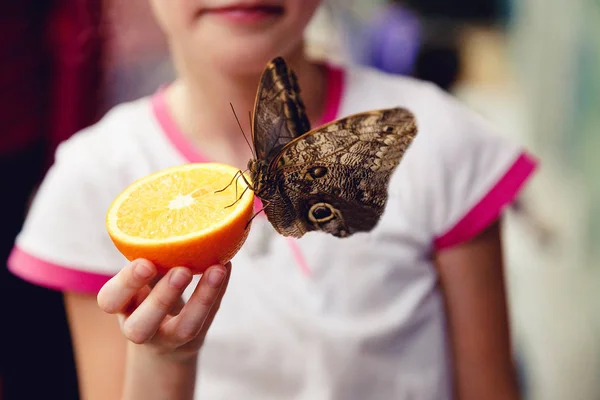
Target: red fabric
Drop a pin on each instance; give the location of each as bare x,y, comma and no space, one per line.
24,75
77,43
51,71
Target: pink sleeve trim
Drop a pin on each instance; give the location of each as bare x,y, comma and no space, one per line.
46,274
491,205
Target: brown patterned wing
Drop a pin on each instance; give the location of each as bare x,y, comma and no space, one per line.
279,113
335,178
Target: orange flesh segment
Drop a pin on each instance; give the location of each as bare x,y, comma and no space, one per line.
179,204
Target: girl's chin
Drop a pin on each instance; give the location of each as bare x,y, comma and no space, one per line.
243,58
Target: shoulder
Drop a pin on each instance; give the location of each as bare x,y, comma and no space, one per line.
368,87
127,143
63,243
459,172
448,131
435,110
116,134
365,76
445,125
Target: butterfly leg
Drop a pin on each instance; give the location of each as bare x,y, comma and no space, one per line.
229,184
235,177
238,198
246,181
255,214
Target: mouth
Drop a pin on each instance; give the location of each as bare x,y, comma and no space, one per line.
252,12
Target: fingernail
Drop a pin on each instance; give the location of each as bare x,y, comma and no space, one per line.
215,277
143,271
179,279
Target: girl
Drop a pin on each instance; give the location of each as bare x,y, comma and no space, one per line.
414,309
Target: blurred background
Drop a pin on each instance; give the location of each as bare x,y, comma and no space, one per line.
532,67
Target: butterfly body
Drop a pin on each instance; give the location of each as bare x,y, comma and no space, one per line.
333,178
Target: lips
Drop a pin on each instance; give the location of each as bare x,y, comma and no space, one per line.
246,11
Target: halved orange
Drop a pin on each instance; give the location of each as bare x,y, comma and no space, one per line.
181,216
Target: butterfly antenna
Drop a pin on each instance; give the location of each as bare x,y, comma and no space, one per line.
242,130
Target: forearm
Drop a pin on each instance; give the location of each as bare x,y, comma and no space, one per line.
151,376
482,346
495,381
472,280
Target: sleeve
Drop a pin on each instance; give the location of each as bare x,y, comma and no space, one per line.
465,172
64,244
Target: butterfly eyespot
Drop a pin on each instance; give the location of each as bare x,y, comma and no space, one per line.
321,212
317,172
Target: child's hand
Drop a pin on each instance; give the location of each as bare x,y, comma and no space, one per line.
152,312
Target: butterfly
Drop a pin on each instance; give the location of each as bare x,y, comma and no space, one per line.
333,178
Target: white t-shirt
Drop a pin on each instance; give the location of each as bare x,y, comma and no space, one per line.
315,318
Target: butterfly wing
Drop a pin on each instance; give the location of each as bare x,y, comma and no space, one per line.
279,113
335,178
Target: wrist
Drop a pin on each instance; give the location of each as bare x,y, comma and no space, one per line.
153,374
165,356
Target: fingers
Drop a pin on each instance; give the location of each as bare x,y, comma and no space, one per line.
202,303
143,323
144,310
213,311
120,290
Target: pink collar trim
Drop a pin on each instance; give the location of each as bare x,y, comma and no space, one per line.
334,92
335,87
172,131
